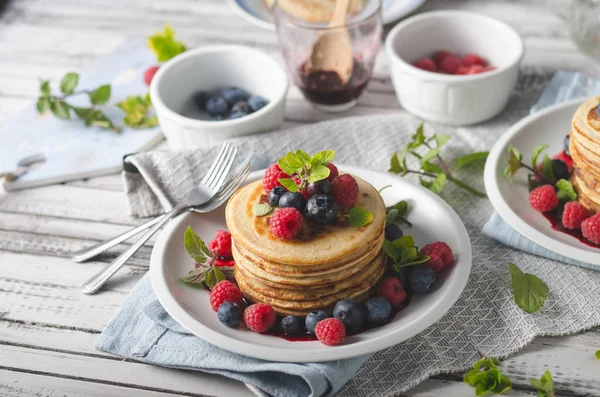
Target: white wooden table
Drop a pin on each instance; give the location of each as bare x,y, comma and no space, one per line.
48,327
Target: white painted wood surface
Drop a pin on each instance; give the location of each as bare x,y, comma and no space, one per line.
47,327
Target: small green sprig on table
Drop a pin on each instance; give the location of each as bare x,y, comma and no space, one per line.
432,175
544,386
487,378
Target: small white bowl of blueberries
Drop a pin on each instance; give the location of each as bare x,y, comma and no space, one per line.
214,93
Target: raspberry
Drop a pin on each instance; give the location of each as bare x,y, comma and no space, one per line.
574,214
591,229
392,290
149,74
463,70
286,223
425,64
221,245
330,332
473,59
476,69
224,262
259,317
440,255
345,191
450,64
333,172
439,56
271,178
543,198
225,291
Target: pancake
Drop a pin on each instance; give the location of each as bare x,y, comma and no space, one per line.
314,10
326,245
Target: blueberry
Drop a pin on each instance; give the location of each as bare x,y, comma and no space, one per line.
313,318
275,195
230,314
292,199
421,279
319,187
290,325
393,232
378,309
321,209
560,169
401,274
233,95
217,106
200,99
236,115
350,312
241,106
567,142
256,102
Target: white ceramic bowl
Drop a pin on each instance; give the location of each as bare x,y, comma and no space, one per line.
212,68
454,99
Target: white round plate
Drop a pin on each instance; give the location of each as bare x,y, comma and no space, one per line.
256,12
511,200
433,220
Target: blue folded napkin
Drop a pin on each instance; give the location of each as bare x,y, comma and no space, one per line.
563,87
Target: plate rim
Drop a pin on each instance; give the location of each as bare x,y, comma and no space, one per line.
505,211
320,354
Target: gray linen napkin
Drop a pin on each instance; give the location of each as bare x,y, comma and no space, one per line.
484,318
563,86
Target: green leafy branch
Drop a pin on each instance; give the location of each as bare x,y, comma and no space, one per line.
397,212
205,272
486,377
434,175
403,252
306,168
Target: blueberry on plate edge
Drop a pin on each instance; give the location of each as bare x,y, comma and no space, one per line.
313,318
290,325
350,312
421,279
377,309
230,314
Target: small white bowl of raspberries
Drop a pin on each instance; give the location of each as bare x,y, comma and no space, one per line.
454,67
218,92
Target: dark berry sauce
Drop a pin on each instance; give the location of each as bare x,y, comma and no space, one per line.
326,87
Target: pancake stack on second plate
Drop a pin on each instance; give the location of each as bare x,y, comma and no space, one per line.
585,152
313,271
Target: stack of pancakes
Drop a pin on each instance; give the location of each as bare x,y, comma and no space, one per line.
585,152
312,272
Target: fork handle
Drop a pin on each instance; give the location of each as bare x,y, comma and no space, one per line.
95,250
99,279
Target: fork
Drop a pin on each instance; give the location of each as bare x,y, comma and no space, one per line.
212,181
98,280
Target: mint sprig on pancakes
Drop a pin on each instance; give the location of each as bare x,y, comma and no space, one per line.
306,168
205,271
403,252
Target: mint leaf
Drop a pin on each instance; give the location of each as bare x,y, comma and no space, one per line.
60,109
100,95
416,261
219,275
436,185
317,173
164,44
43,104
45,87
441,139
503,385
486,377
529,291
288,184
323,158
99,119
408,255
395,164
293,160
391,216
401,206
136,110
470,159
404,242
536,153
598,354
359,217
69,83
83,113
418,138
514,162
286,167
547,172
429,155
544,386
304,157
195,246
210,279
391,250
261,209
565,190
195,276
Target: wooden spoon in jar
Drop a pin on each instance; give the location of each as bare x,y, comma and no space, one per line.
333,49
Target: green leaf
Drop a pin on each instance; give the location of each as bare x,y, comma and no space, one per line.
404,242
288,184
547,172
285,167
481,389
391,216
429,155
261,209
45,87
210,279
304,157
441,139
195,246
293,160
219,275
469,377
408,255
164,44
430,167
598,354
417,261
317,173
436,185
98,119
544,386
514,162
195,276
83,113
503,385
359,217
536,153
470,159
395,164
100,95
60,109
69,83
401,206
391,250
418,138
529,291
43,104
565,190
323,158
136,111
